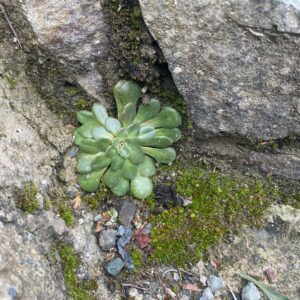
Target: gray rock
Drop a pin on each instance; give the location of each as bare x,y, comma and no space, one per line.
127,212
115,266
148,228
215,283
207,294
107,239
250,292
238,82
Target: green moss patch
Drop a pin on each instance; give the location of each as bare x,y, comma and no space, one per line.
220,205
66,213
77,290
26,199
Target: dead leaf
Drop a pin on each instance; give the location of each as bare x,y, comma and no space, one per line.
76,202
109,256
214,263
191,287
98,227
200,265
271,274
141,238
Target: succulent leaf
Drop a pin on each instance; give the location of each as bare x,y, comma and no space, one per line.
167,118
90,182
147,167
147,111
112,178
100,113
129,170
126,92
113,125
164,156
141,187
121,188
85,116
117,162
123,150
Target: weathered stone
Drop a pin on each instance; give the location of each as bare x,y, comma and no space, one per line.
250,292
127,212
207,294
115,266
107,239
215,283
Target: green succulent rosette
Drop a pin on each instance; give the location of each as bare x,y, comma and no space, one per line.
123,151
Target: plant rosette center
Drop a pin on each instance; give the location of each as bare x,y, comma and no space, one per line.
123,151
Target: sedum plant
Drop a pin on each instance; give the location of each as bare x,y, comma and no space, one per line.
123,151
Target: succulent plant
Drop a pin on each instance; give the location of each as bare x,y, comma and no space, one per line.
123,150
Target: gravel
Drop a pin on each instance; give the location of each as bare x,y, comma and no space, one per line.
107,239
250,292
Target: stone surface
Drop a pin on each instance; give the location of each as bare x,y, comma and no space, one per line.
252,251
250,292
115,266
215,283
207,294
107,239
127,212
234,62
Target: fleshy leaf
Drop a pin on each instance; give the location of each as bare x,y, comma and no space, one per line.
173,133
78,138
84,116
111,151
167,118
128,114
136,154
112,178
117,162
90,182
100,162
164,156
133,130
122,134
113,125
87,129
128,169
147,167
103,144
89,146
147,111
126,92
121,188
270,294
157,141
100,113
84,162
101,133
146,133
141,187
124,150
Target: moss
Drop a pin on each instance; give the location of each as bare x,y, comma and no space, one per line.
66,213
93,200
83,103
77,290
220,205
12,82
47,203
71,90
137,257
175,99
26,198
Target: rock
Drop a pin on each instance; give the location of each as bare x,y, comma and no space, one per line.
207,294
115,266
97,218
250,292
107,239
148,228
127,212
134,294
215,283
204,43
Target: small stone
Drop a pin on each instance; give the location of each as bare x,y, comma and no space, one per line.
271,274
215,283
134,294
127,212
121,230
115,266
176,276
107,239
207,294
250,292
81,221
148,228
97,218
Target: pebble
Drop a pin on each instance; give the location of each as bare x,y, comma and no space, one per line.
215,283
127,212
176,276
250,292
107,239
134,294
121,230
148,228
207,294
115,266
97,218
